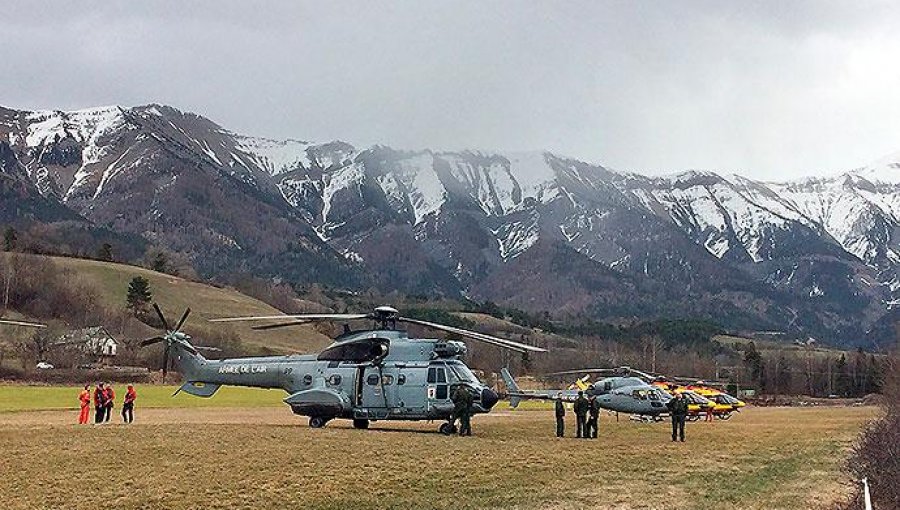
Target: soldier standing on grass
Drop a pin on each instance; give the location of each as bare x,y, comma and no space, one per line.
462,409
678,407
581,410
593,421
560,416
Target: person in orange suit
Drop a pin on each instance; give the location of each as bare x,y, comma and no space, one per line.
85,398
99,403
128,405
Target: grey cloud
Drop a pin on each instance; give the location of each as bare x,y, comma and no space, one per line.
769,89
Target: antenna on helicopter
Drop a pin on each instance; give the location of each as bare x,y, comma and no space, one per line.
386,318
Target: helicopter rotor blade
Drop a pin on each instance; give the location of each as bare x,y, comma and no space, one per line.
22,323
165,367
183,318
305,317
151,341
279,325
161,317
481,337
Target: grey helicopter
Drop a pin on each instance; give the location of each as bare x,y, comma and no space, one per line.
622,392
364,376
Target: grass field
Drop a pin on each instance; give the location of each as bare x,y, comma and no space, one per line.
175,294
264,457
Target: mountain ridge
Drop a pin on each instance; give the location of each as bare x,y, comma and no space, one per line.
446,222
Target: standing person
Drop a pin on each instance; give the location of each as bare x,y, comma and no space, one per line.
678,407
593,421
709,412
458,399
581,410
110,401
99,403
85,399
465,414
560,416
128,405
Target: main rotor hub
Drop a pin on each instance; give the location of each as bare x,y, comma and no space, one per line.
386,316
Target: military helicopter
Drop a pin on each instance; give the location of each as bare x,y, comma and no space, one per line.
622,392
23,324
364,376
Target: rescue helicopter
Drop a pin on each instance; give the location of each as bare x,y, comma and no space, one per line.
723,405
364,376
622,392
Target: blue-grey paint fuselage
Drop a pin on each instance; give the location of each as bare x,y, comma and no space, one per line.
410,379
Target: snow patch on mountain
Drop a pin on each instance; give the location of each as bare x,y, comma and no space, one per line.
275,156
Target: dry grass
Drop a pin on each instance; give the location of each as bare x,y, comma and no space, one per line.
266,458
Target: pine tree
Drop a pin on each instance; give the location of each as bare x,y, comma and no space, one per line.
105,252
842,377
139,295
9,239
754,361
160,262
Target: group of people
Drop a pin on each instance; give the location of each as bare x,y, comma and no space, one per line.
587,416
104,400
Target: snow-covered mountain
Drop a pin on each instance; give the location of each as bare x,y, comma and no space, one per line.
537,230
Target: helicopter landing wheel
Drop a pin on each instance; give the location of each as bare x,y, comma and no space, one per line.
317,422
447,429
360,424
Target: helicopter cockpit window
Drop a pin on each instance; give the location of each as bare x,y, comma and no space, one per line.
462,372
639,395
432,374
372,380
401,379
653,395
441,375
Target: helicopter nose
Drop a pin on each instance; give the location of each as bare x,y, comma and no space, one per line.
488,398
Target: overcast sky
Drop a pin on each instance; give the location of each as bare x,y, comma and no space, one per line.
771,90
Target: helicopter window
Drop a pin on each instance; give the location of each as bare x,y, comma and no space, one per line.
387,380
333,364
401,379
441,393
653,395
334,380
639,395
607,386
432,374
461,372
441,375
307,379
372,380
359,351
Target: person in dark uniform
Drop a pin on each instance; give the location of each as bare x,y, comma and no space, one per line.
99,403
678,408
463,409
560,416
581,409
593,421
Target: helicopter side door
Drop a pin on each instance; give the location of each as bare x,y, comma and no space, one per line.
377,392
438,390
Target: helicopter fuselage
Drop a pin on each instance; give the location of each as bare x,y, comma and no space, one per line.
365,376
